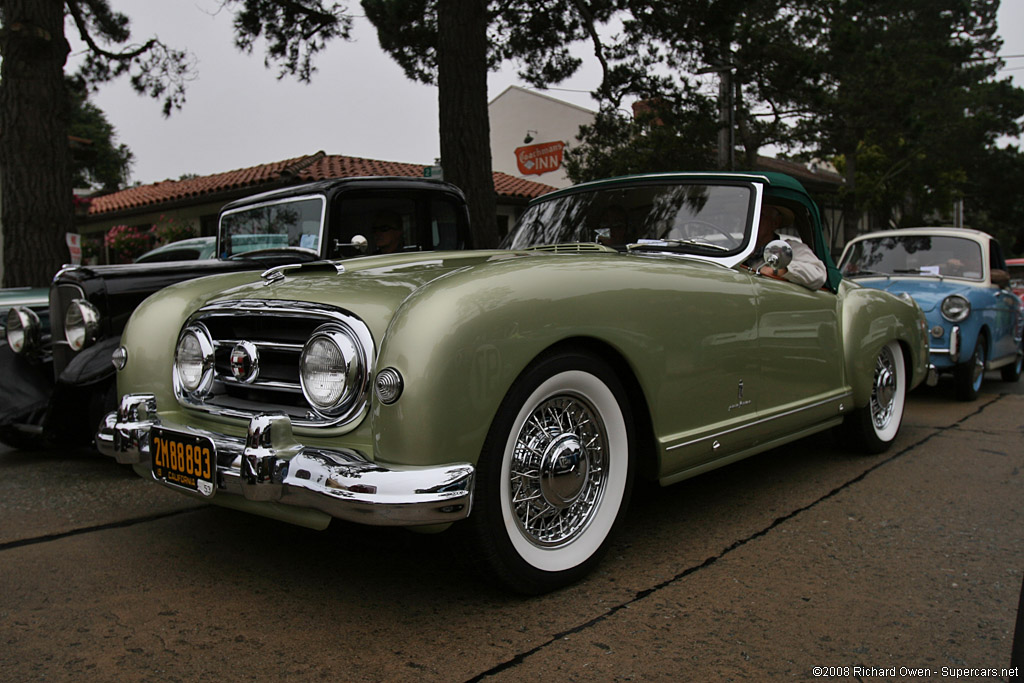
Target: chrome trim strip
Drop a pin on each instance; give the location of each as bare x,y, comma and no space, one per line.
271,466
261,384
839,397
273,346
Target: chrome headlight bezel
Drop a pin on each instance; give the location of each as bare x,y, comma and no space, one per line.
338,388
194,347
955,308
23,329
81,324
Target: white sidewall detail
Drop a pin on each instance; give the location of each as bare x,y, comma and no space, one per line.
583,546
893,427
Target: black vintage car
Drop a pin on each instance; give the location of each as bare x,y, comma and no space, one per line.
58,386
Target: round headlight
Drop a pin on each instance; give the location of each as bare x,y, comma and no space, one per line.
22,329
332,370
955,308
81,324
193,360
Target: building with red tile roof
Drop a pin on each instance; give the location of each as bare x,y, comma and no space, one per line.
198,200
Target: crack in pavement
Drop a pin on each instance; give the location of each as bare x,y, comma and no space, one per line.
648,592
9,545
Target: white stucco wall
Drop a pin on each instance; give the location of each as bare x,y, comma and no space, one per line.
517,112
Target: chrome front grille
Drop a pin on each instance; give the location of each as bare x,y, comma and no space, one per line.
278,331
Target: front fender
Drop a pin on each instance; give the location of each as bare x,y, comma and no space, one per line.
871,318
462,341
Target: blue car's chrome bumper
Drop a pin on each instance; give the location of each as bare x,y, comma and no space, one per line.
951,354
269,465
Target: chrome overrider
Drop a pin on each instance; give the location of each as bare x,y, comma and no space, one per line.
269,464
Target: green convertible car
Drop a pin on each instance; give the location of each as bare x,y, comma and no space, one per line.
517,392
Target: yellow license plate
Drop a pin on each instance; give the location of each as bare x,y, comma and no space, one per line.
187,461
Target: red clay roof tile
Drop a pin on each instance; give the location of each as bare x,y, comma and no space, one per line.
317,166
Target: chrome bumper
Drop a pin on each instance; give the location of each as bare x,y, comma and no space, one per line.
269,465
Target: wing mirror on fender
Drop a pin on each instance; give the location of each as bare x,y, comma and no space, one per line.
777,254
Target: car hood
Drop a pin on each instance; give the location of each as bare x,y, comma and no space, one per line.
927,292
370,287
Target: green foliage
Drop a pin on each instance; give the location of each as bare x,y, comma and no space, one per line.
536,36
908,101
992,200
901,95
667,136
295,31
153,68
103,164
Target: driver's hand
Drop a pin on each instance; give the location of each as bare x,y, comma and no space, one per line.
768,271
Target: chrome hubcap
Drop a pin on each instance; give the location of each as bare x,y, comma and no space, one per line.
979,367
883,393
559,470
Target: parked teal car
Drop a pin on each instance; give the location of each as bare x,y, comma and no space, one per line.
960,280
35,299
517,391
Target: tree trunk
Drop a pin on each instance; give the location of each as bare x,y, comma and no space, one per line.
35,177
462,111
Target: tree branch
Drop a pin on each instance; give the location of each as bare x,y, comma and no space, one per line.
83,32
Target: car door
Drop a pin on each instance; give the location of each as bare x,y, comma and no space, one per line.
1005,320
800,354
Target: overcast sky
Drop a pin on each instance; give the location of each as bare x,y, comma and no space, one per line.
238,114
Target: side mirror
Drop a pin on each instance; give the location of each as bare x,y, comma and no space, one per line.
777,254
359,243
1000,278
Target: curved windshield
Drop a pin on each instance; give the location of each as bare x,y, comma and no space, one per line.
291,223
921,255
706,219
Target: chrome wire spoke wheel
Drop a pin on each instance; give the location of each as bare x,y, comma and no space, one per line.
884,389
558,471
555,474
874,426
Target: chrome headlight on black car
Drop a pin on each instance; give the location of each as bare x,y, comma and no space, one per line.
23,329
955,308
193,361
333,370
81,324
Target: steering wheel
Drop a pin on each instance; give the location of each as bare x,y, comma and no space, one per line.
688,226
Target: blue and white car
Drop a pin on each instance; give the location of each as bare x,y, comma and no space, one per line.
960,279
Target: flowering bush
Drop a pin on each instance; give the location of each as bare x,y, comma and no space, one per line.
128,241
170,229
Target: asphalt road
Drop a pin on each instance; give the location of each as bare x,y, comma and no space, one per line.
869,567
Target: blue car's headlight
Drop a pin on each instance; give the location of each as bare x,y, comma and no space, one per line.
955,308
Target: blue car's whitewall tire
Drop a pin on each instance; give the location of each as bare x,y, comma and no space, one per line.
969,376
1011,373
555,474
